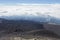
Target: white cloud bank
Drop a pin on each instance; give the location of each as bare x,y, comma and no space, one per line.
31,9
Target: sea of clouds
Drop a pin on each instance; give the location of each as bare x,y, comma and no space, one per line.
35,12
30,9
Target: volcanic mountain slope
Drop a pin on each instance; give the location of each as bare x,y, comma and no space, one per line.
53,27
40,33
10,26
22,24
26,27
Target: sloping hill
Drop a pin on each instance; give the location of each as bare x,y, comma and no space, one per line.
27,27
10,26
53,27
40,33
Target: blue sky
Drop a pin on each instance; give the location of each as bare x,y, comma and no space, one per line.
30,1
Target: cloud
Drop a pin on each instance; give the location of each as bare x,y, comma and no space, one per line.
31,9
3,11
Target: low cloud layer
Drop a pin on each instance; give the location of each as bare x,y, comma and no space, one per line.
32,9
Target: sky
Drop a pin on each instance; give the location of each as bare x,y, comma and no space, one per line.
28,7
30,1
